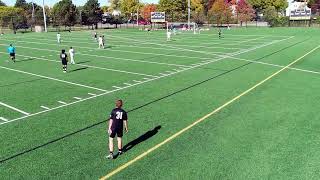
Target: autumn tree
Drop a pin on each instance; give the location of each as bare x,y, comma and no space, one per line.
146,11
244,11
220,12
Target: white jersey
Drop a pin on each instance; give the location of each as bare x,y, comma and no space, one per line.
100,40
71,52
168,34
58,36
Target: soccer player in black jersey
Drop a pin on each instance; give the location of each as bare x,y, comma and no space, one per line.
118,120
64,60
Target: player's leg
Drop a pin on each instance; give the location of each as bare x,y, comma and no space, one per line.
72,59
120,145
110,156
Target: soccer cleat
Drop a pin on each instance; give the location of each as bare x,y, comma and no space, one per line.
110,156
120,152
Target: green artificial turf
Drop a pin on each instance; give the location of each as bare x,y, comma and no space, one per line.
270,133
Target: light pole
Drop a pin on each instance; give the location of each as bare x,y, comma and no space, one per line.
44,17
138,13
189,13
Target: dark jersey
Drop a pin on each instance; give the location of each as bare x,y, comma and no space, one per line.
63,57
118,115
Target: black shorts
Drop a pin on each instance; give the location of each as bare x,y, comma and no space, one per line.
118,132
12,54
64,62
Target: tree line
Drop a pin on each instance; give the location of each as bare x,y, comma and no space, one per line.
65,13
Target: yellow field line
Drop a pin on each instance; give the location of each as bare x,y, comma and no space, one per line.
117,170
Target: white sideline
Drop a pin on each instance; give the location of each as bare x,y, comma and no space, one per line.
14,108
54,79
143,82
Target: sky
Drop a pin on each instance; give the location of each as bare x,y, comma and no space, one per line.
77,2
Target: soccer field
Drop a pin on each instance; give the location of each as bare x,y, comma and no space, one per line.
199,107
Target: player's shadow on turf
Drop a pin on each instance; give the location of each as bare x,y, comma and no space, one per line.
140,139
79,69
29,59
83,62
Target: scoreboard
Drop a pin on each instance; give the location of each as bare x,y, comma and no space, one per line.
158,17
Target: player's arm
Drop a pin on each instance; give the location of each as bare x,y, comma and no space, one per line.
110,125
125,122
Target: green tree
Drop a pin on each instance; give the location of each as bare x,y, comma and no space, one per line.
271,15
92,13
260,5
176,10
64,13
2,3
198,11
8,16
128,7
21,4
114,5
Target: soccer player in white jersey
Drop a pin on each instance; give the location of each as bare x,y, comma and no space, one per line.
59,37
168,35
71,54
100,40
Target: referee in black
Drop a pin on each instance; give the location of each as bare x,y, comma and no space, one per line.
118,120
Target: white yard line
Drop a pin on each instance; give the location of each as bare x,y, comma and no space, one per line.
92,94
3,119
90,48
77,98
62,102
276,65
204,52
137,84
45,107
95,67
54,79
107,57
14,108
130,46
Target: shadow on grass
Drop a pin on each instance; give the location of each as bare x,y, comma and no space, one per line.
140,139
83,62
24,60
79,69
